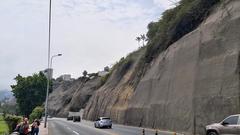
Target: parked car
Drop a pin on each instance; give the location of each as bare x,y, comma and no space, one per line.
76,119
103,122
70,116
229,126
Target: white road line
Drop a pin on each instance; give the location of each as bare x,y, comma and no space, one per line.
76,133
73,131
69,128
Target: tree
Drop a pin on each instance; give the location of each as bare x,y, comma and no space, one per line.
138,39
143,38
85,73
29,92
106,69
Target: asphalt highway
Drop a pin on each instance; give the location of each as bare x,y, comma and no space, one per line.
60,126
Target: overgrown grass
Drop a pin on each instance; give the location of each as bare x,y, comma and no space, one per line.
175,23
123,65
3,126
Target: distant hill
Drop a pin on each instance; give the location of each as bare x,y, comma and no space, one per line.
5,94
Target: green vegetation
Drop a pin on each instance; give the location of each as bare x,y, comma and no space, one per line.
3,126
30,92
121,67
104,79
36,113
12,121
175,23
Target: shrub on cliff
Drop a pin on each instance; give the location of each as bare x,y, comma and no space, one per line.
175,23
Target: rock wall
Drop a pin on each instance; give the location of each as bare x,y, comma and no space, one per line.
193,83
72,96
113,97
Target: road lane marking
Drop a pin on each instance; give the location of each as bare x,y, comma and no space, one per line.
72,130
76,133
103,131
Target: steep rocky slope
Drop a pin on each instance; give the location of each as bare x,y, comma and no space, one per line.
71,95
193,83
113,97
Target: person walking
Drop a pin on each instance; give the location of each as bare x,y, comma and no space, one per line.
22,128
35,127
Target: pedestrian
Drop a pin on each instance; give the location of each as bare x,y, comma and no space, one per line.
22,128
35,127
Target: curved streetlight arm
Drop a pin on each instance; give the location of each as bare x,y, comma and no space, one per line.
52,59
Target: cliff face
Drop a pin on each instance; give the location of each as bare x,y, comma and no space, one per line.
113,97
71,96
193,83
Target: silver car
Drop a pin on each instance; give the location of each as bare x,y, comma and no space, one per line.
103,122
229,126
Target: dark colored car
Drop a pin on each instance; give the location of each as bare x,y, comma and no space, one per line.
76,119
103,122
69,117
229,126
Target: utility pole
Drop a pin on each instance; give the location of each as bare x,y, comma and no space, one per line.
49,53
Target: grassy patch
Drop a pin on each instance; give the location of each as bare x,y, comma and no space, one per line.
3,126
175,23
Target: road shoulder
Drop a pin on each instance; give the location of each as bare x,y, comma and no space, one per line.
42,130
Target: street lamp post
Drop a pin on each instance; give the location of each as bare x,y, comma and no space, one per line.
49,53
49,77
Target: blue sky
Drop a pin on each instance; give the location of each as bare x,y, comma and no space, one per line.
90,34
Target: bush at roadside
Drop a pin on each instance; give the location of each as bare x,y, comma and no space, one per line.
12,121
36,113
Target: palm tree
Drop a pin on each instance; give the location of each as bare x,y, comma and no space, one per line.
143,37
138,40
85,73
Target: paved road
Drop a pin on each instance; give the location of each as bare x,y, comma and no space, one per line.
59,126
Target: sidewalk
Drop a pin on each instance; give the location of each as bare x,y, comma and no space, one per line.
42,130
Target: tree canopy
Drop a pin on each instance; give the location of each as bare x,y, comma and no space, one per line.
29,92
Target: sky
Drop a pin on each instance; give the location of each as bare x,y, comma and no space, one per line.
91,34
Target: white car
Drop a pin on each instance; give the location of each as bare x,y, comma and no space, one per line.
103,122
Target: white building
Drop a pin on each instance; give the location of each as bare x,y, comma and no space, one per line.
66,77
